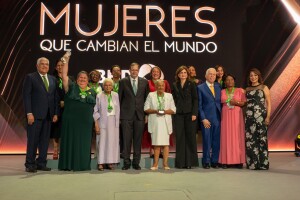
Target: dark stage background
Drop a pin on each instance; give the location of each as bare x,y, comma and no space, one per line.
249,33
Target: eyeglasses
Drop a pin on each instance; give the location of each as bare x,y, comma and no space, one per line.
95,75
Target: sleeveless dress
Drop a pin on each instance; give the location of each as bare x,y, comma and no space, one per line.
76,133
256,130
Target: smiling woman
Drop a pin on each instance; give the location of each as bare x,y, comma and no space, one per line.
77,122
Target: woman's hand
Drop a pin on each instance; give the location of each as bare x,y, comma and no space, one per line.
97,128
267,121
62,104
194,117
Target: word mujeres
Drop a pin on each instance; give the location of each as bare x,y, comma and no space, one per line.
126,19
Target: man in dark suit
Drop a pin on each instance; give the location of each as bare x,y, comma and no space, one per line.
209,94
41,107
133,91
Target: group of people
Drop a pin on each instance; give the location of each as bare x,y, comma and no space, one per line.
121,112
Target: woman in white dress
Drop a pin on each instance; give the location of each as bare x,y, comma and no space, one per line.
160,106
107,117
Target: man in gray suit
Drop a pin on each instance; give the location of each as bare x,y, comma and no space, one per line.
133,91
41,107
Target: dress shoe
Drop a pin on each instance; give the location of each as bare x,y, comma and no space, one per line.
100,167
224,166
154,168
31,170
206,165
239,166
167,168
215,165
125,167
111,167
136,167
44,168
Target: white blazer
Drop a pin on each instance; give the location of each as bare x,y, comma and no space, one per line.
152,103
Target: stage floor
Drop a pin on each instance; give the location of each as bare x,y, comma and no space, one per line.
282,181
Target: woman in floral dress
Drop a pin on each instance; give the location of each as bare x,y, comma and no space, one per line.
257,120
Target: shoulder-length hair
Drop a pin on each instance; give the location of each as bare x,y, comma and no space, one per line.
155,67
257,72
179,69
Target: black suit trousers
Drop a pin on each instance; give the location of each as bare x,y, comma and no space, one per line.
38,136
186,144
132,131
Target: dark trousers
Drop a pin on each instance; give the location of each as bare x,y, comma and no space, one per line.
132,131
186,144
121,140
211,141
38,136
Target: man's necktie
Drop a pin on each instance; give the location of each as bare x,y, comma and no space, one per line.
134,86
212,89
45,83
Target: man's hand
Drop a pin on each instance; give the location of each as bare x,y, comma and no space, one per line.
206,123
55,118
30,119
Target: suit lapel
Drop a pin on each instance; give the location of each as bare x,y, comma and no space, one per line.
181,89
139,86
217,90
51,83
129,84
40,81
208,90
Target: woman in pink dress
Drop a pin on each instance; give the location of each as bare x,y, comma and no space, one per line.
232,145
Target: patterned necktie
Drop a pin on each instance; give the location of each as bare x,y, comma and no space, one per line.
212,89
45,83
134,86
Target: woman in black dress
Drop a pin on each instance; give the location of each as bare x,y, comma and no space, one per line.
257,120
186,102
56,127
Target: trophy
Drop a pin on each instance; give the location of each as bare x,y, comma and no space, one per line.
228,103
66,57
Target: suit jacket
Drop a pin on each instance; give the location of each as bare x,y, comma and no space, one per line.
100,109
209,106
36,98
186,99
152,103
130,103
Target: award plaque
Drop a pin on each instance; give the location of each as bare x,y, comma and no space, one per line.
161,112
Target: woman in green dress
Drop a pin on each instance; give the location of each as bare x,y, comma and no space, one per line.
77,122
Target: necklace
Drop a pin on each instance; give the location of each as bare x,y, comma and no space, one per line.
109,99
83,93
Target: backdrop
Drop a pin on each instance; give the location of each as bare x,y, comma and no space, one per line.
236,34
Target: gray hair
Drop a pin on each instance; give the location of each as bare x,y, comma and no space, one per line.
159,81
40,59
108,80
209,69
